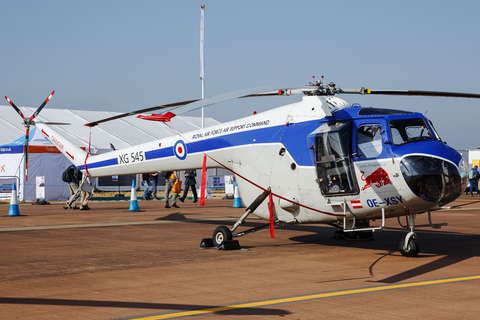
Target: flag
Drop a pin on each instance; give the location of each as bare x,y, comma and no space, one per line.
202,42
356,204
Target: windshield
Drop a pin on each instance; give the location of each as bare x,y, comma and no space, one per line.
434,130
409,130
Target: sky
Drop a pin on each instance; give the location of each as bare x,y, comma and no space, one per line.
129,55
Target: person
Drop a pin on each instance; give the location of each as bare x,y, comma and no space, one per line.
73,186
190,182
473,176
170,178
84,195
154,181
75,177
145,177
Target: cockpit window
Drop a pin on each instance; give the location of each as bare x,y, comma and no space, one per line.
369,141
409,130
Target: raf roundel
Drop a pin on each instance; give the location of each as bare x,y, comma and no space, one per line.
180,150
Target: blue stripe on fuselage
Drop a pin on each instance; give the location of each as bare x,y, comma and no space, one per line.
104,163
159,153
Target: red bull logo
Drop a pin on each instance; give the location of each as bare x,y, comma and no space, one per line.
378,178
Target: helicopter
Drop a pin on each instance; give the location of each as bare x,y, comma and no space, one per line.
321,160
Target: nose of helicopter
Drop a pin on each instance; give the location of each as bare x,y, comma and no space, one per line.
433,179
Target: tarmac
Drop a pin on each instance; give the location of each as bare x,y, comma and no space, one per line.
111,263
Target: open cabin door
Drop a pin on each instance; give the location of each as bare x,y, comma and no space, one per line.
331,145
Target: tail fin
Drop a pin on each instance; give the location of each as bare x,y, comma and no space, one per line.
75,154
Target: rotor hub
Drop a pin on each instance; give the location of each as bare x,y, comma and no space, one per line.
321,89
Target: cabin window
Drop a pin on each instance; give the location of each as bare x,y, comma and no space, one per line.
332,146
369,141
409,130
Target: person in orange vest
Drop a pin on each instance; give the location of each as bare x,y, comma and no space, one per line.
170,178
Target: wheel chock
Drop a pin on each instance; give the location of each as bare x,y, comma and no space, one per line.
207,243
230,245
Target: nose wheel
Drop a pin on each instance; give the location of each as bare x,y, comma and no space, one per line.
411,249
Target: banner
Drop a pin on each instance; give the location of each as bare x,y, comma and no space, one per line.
6,185
229,188
40,187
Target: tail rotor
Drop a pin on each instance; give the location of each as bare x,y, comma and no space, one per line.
27,122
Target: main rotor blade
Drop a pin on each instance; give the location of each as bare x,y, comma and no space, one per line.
41,107
58,123
165,106
190,105
244,93
15,107
411,93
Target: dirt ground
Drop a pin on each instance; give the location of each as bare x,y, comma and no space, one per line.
111,263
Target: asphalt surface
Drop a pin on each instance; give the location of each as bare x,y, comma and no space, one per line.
110,263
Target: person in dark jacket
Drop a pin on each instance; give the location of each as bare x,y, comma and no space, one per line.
473,176
75,177
73,185
190,182
154,181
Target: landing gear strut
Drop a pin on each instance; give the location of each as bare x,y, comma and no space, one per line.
409,246
222,236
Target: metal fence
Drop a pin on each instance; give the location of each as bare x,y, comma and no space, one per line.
6,186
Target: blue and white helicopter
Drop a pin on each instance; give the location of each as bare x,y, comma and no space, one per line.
319,160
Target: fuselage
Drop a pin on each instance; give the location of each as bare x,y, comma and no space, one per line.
321,159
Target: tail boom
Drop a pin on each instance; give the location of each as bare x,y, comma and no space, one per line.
75,154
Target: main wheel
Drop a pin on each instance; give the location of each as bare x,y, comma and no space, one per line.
221,234
412,250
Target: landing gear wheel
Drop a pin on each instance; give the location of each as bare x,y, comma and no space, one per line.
221,234
412,250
